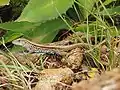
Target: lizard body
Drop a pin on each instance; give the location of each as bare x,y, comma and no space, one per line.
42,48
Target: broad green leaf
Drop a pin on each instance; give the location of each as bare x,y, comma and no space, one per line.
17,26
83,28
10,36
111,11
16,29
37,32
86,7
46,32
41,10
92,27
4,2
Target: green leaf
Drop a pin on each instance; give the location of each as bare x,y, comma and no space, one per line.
10,36
111,11
41,10
17,26
46,32
96,26
4,2
16,29
83,28
37,32
86,7
113,31
108,2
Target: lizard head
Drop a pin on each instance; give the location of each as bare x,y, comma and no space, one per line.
20,41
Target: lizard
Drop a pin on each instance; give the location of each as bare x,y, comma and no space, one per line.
48,49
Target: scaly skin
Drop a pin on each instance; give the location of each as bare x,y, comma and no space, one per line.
42,48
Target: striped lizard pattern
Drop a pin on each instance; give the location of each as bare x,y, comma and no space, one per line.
48,49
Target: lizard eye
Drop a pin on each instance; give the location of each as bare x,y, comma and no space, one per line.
18,40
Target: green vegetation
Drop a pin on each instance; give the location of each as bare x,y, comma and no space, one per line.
41,20
37,15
